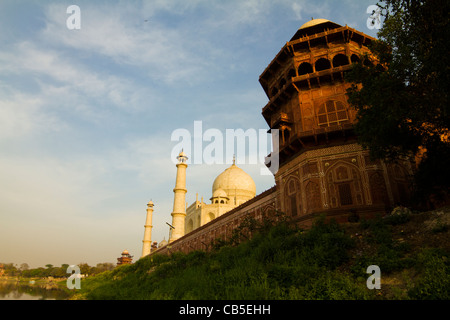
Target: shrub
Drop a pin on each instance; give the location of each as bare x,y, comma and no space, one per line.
379,231
331,286
326,244
439,226
434,282
399,215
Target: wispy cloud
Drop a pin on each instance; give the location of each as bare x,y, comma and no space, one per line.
162,53
305,10
59,86
20,116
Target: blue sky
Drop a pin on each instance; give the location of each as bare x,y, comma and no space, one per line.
86,116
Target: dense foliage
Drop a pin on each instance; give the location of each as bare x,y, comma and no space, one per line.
401,92
282,262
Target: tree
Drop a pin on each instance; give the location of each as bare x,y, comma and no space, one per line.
105,266
10,269
24,266
84,268
59,272
401,92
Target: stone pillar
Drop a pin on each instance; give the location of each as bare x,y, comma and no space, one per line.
147,242
179,209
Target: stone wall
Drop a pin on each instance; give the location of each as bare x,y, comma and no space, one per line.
223,226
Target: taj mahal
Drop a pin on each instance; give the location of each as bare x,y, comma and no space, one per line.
230,189
322,169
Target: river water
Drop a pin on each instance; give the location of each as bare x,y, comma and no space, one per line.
14,291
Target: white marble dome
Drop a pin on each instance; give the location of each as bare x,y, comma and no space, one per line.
237,184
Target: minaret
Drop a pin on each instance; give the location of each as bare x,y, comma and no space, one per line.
179,209
147,242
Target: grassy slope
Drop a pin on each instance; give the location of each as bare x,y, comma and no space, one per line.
328,261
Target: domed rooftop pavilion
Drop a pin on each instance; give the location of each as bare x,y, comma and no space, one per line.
314,26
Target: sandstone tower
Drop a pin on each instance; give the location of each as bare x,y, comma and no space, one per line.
322,168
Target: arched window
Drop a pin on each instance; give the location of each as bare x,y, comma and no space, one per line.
210,216
221,201
292,186
292,193
340,60
269,210
332,113
313,201
305,68
344,185
322,64
378,189
354,58
285,135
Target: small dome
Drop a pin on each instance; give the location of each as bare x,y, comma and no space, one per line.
182,157
313,22
150,203
314,26
125,252
162,243
182,154
220,193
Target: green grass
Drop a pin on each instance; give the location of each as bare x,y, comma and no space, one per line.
280,262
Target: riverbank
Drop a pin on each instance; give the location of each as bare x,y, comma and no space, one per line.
14,288
327,262
42,282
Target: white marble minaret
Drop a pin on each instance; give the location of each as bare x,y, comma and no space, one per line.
147,242
179,200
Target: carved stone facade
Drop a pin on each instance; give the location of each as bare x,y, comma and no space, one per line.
340,181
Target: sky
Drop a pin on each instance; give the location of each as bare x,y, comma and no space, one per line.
87,115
